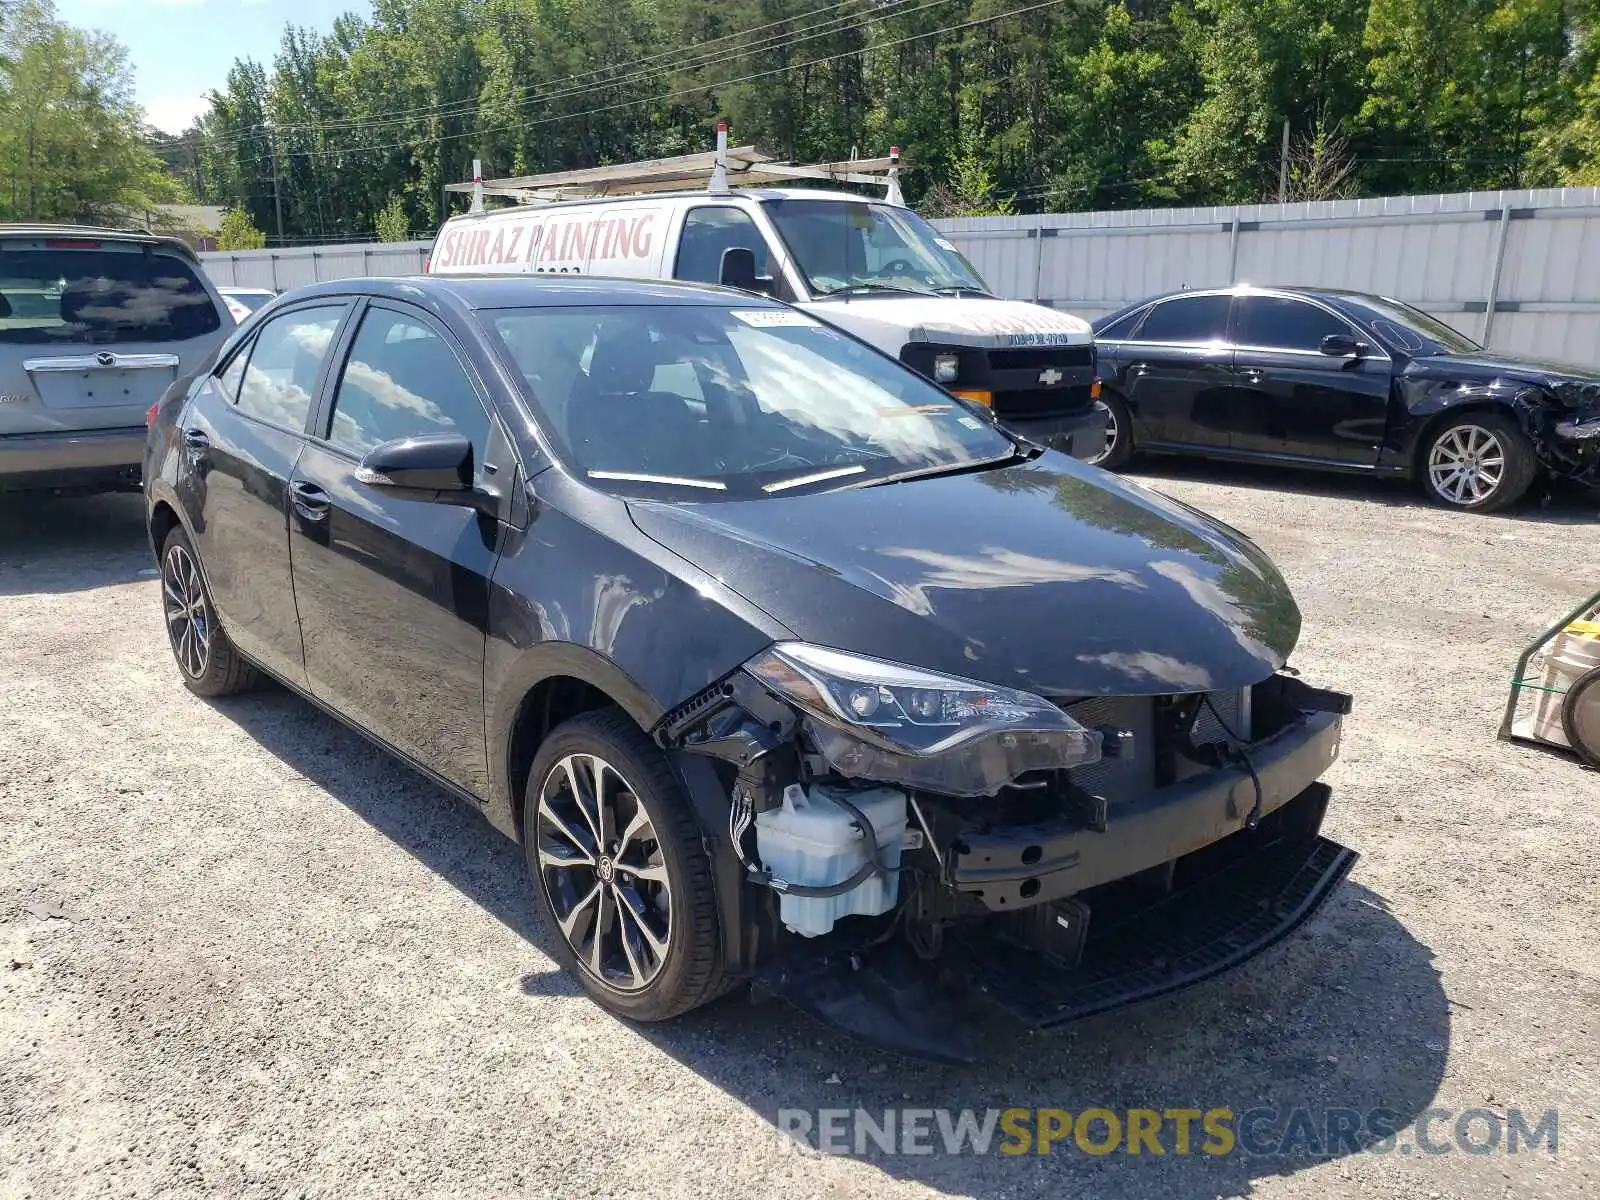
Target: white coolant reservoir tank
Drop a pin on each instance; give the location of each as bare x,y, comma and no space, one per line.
812,840
1573,653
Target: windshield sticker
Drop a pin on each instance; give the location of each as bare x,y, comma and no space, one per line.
772,318
972,422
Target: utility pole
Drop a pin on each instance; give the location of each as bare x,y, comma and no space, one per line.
277,187
1283,166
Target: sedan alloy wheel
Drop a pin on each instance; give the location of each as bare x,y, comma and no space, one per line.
1467,465
188,615
603,871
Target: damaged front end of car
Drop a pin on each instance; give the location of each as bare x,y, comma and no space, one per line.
1563,420
904,846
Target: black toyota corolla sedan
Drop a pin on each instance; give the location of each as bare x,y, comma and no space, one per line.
1341,381
783,665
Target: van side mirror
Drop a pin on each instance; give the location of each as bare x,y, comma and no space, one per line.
739,271
1342,345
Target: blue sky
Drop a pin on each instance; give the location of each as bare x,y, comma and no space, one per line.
182,48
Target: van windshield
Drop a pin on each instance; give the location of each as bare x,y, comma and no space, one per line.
845,246
742,403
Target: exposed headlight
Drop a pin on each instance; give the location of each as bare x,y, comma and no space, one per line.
897,724
946,368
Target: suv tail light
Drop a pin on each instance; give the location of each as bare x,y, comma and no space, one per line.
71,244
150,414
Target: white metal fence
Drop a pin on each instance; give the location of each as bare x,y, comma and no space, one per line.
1518,270
281,270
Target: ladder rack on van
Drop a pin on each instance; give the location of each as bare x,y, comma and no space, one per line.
722,169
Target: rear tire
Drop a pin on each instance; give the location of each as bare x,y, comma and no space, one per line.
623,885
206,659
1119,433
1477,462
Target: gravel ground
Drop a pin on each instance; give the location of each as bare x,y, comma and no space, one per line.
242,953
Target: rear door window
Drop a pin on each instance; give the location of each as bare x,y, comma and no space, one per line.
101,295
280,376
1187,319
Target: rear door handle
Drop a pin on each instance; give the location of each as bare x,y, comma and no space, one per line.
1139,369
1250,375
196,439
310,501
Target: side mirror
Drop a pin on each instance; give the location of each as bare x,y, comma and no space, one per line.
739,271
433,467
1342,345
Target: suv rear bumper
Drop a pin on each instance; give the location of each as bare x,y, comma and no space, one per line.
91,459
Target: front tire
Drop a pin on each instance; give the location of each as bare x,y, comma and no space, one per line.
206,659
619,873
1119,433
1478,462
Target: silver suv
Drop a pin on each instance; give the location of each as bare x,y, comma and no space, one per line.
95,325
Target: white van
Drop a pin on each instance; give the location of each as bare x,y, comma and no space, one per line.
870,267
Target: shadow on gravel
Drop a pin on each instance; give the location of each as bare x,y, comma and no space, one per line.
49,544
1347,1015
1563,503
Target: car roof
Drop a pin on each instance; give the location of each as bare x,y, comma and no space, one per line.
536,291
35,229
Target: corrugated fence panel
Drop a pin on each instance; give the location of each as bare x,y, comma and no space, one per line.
1438,252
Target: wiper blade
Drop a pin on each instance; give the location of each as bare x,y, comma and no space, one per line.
668,480
784,485
962,468
960,290
858,289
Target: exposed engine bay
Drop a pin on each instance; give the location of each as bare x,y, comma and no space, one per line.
904,843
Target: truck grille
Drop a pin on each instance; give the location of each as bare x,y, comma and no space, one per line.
1041,357
1042,402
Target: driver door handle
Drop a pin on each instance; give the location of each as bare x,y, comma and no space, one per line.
310,501
1251,374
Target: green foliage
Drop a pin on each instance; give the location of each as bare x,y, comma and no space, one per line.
1077,104
391,223
237,233
72,142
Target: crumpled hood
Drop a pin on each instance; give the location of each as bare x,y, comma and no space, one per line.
952,321
1488,365
1049,576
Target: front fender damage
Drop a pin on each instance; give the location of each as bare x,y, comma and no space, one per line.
1193,846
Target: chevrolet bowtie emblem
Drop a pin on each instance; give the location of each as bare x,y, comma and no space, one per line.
1050,377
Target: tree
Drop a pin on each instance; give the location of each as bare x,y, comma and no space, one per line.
72,141
392,224
237,233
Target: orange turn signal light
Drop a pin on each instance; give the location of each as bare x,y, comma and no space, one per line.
1094,390
984,398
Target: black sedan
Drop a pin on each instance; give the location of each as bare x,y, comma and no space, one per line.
1341,381
781,663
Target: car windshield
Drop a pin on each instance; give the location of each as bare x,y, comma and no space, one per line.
1412,330
844,246
742,402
